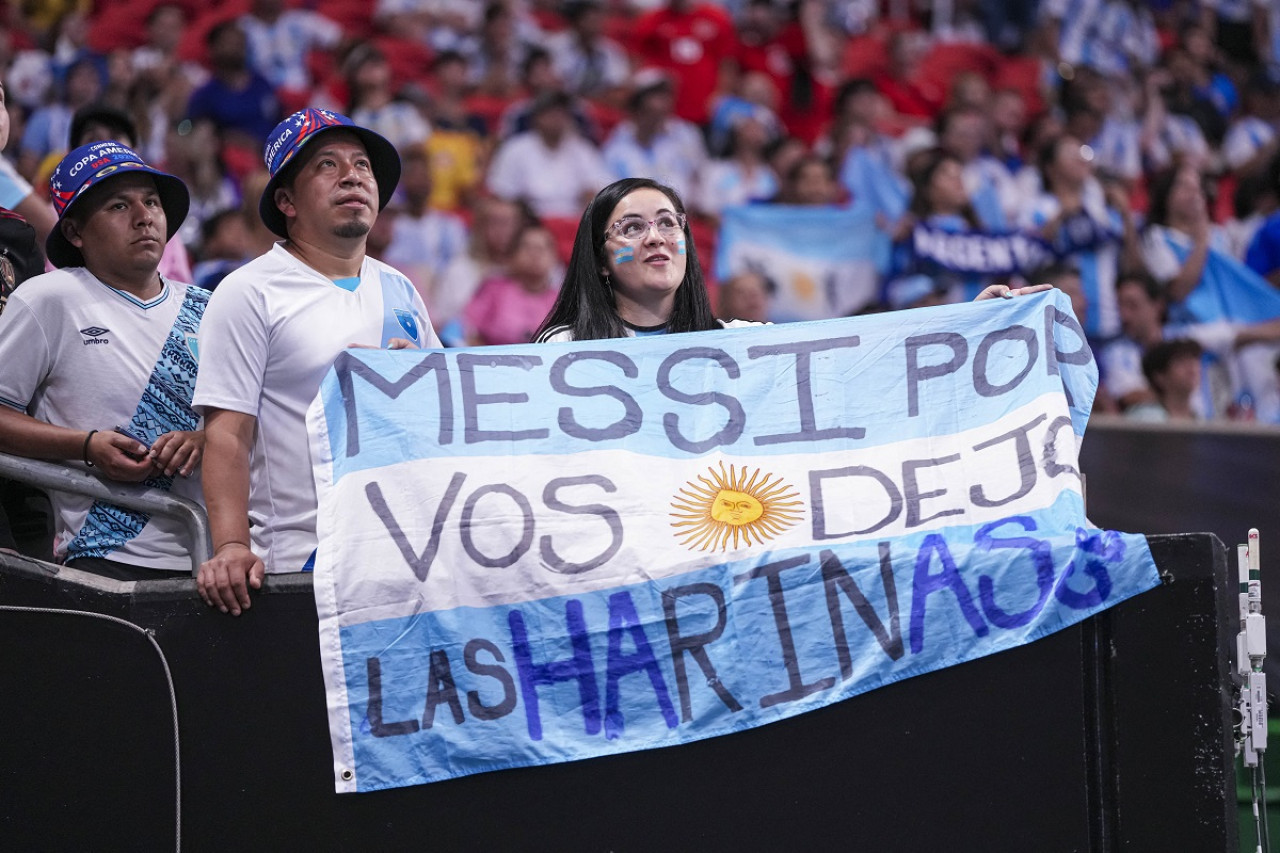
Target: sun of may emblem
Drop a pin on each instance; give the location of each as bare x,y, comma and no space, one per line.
747,507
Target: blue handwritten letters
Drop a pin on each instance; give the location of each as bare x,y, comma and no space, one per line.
542,553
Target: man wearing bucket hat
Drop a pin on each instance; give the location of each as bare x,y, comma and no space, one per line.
100,359
273,330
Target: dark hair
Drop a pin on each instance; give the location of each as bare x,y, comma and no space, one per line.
586,304
1145,280
215,32
1157,360
851,88
122,127
1055,271
922,176
1162,187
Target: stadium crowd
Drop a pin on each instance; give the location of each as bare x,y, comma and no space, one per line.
1126,151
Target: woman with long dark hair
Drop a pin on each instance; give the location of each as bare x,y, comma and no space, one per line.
633,269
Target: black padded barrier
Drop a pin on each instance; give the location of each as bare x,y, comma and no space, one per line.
1111,735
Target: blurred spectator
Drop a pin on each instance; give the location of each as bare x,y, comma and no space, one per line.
963,133
1180,234
423,241
590,64
694,42
1171,134
372,102
753,94
49,126
459,141
509,308
783,153
1252,202
1008,125
1105,122
493,231
871,169
771,40
653,142
239,101
552,167
1263,254
744,296
495,54
969,90
940,203
1241,28
16,194
1114,37
1240,357
540,77
810,182
224,247
907,90
261,238
443,24
1254,137
1172,369
743,175
279,40
157,58
1092,227
193,157
20,255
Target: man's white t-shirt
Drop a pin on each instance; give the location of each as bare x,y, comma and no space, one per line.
80,354
273,330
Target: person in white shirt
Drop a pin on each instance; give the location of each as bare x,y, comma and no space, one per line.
552,167
653,142
280,39
100,359
273,330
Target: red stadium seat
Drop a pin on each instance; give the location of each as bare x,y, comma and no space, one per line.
563,229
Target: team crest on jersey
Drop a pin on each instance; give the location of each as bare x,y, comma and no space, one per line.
407,322
193,345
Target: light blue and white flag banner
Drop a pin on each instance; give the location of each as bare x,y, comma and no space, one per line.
542,553
821,261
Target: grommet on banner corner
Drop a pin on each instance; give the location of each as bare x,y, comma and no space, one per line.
347,774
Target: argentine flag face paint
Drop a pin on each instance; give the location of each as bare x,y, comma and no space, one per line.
624,254
542,553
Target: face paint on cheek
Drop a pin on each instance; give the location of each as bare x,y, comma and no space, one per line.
626,253
680,245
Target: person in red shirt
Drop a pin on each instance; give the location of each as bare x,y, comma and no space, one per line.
772,41
693,42
902,85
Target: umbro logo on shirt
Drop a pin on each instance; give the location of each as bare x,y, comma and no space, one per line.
94,335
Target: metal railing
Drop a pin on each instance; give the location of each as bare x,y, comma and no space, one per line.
59,478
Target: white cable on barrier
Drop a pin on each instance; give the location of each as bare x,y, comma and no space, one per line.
1251,651
173,698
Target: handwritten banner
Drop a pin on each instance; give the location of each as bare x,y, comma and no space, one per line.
542,553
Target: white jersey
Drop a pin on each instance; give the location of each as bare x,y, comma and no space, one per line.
273,330
80,354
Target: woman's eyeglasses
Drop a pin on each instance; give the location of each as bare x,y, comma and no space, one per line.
633,228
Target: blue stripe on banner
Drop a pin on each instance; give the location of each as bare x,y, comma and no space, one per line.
444,694
947,368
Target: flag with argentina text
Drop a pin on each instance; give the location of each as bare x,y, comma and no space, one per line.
541,553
